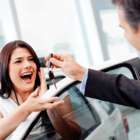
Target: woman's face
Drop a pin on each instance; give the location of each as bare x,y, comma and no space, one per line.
22,70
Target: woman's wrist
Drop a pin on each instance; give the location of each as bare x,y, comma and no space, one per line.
26,109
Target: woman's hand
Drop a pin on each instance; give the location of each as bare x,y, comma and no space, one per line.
43,85
34,103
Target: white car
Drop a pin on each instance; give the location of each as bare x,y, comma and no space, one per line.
98,120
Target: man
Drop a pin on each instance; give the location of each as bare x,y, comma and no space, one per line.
113,88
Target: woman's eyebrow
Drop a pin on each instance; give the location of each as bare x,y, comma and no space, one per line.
22,57
18,58
30,56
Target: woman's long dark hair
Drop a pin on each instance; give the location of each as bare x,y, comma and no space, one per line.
5,55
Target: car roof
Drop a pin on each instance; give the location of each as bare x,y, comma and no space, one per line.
115,61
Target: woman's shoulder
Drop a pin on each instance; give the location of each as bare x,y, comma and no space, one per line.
7,106
3,101
6,101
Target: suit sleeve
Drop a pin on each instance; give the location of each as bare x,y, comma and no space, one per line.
113,88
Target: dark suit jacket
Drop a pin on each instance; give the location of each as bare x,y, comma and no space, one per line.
113,88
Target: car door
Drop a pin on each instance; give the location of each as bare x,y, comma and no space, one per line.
86,112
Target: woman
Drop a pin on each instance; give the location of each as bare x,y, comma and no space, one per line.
22,83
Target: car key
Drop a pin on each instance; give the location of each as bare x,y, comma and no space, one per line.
51,75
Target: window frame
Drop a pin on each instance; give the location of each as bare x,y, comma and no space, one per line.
56,77
132,68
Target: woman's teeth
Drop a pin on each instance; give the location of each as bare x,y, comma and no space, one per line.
26,74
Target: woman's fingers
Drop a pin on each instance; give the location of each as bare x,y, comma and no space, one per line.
49,100
42,78
39,104
43,82
44,104
54,105
48,103
35,93
43,85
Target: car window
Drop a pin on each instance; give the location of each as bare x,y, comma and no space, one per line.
43,127
84,108
108,107
57,79
122,70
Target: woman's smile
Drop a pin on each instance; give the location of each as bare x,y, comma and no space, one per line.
27,76
22,69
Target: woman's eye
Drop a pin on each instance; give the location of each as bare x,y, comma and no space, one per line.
32,59
18,61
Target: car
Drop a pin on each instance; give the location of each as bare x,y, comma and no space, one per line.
99,120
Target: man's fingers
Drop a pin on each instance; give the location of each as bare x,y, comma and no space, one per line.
60,57
53,66
56,62
56,56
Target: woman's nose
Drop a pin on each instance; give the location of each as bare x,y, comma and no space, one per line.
27,64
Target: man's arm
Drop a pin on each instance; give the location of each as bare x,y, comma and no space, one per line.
113,88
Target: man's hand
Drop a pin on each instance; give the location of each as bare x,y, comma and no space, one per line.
68,66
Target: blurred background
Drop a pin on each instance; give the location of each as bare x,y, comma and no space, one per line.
88,30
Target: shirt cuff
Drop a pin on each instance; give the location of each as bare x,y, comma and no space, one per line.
84,81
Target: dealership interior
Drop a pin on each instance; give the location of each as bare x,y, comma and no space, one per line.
87,30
